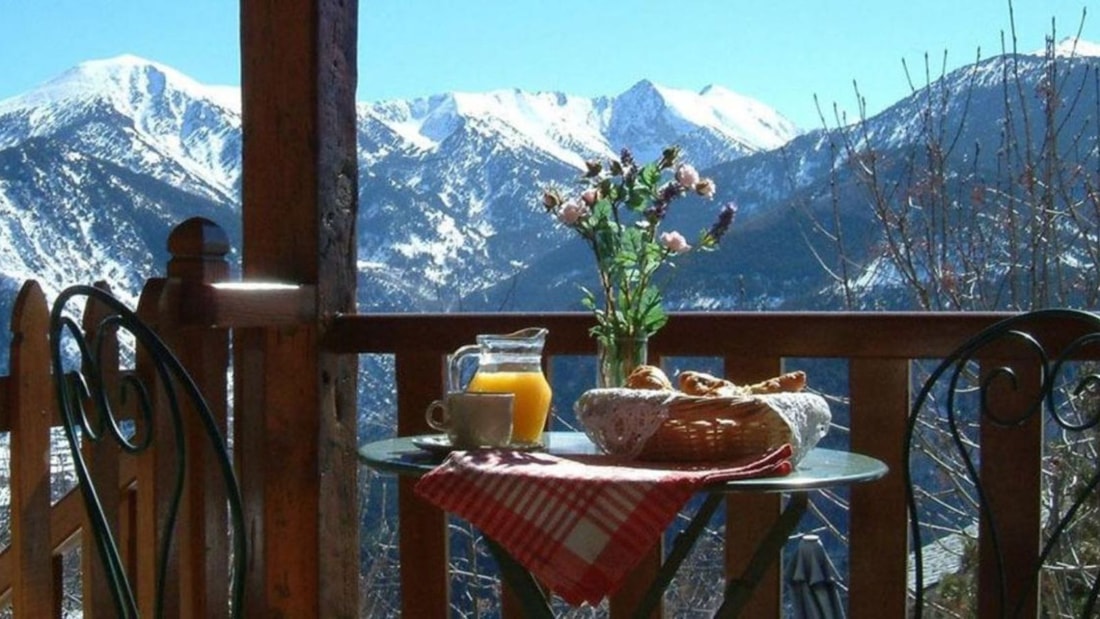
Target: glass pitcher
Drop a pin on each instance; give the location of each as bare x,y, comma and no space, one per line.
510,363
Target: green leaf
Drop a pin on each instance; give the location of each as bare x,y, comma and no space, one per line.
610,191
649,175
601,210
638,200
588,299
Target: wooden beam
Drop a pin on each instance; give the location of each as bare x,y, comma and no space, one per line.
199,285
240,305
296,404
736,334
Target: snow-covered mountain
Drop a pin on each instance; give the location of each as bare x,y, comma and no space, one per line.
782,252
714,125
97,164
140,114
449,183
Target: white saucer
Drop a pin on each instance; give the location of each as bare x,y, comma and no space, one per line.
440,444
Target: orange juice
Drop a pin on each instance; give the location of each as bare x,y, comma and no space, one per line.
531,405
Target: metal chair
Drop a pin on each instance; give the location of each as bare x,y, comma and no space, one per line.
97,406
1001,472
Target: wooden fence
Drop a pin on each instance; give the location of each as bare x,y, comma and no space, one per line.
876,348
31,574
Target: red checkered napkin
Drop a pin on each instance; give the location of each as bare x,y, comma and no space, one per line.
578,524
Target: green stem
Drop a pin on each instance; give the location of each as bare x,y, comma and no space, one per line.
645,274
605,283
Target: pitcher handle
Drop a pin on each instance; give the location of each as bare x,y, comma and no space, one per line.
454,366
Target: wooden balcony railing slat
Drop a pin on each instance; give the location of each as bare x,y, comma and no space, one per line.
623,603
30,455
425,577
5,414
1011,467
877,550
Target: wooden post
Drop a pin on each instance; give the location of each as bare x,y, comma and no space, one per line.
198,248
30,402
296,402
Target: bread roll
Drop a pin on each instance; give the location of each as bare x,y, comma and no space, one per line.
790,382
703,384
648,377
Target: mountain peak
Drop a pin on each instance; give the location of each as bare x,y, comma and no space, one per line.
156,117
645,84
1072,47
123,80
645,90
648,109
122,62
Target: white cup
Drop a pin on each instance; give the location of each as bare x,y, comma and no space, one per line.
473,420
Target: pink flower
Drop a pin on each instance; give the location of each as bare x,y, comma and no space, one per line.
675,242
590,196
706,188
572,211
687,176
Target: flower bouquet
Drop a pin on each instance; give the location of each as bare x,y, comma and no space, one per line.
618,211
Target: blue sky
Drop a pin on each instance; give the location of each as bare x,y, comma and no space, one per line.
781,52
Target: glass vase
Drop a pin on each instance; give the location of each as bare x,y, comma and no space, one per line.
616,359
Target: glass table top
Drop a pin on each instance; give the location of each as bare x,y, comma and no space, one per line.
820,468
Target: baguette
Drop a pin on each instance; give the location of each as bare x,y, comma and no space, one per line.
790,382
706,385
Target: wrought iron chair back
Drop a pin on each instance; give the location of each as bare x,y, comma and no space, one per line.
1029,382
90,407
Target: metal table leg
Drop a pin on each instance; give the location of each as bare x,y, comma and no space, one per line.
739,589
685,541
531,596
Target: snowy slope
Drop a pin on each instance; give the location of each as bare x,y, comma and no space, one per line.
140,114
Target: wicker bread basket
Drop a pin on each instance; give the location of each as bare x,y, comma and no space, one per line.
671,426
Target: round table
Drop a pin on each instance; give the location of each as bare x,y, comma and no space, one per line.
819,468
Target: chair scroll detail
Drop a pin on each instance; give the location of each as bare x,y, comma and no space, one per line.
1021,397
96,407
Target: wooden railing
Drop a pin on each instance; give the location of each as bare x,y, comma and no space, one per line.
31,574
877,348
